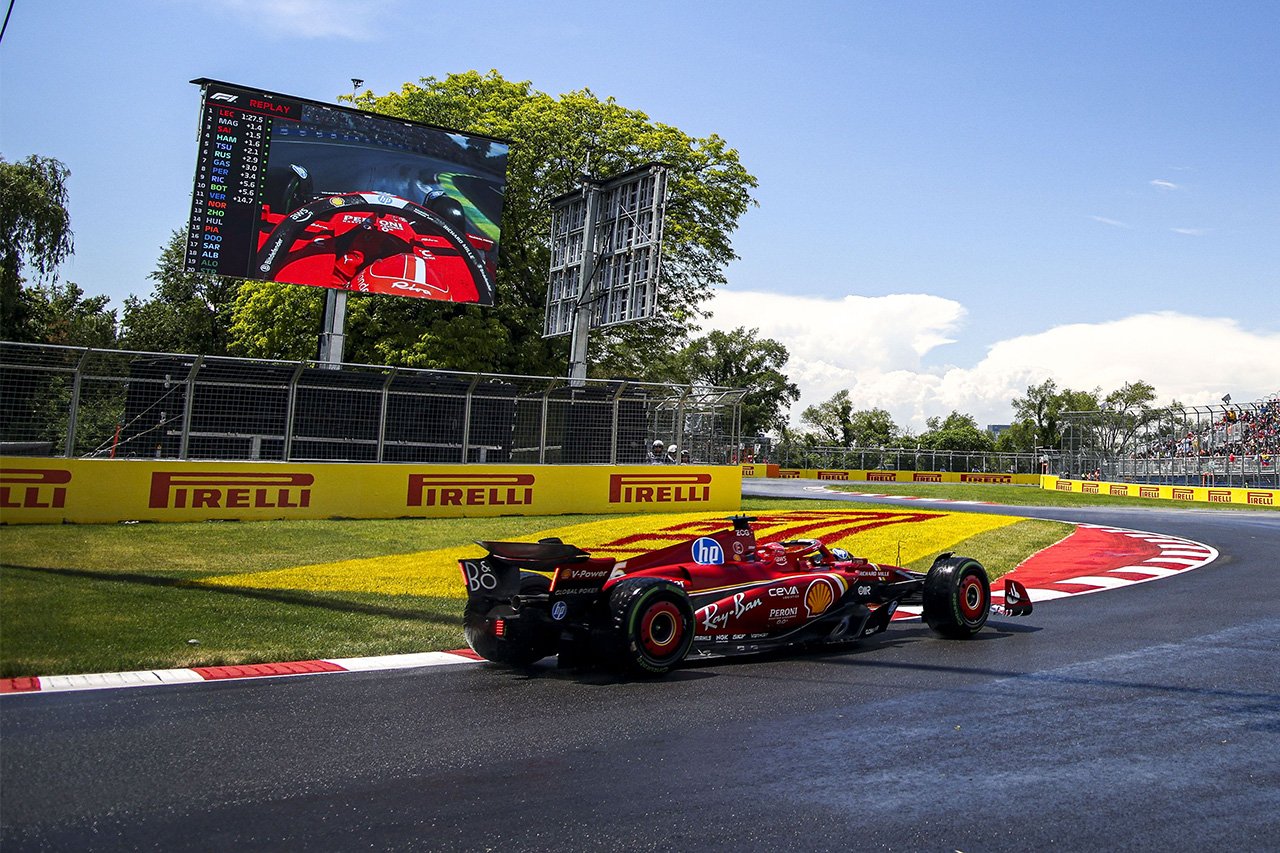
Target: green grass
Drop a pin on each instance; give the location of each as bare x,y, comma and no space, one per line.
1027,496
118,597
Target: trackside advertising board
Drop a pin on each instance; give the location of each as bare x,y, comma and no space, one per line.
299,191
1207,494
874,476
52,491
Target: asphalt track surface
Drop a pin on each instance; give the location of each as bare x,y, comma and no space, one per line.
1146,717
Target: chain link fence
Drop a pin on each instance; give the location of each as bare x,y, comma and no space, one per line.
86,403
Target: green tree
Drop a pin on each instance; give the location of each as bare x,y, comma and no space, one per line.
60,314
552,141
873,428
956,432
35,232
1043,409
271,320
741,359
831,421
1020,437
1125,412
186,312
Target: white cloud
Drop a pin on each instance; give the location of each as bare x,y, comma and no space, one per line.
874,347
1112,222
1190,232
1161,184
354,20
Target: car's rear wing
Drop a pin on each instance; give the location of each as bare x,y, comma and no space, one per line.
497,574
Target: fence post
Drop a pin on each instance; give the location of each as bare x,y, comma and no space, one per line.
466,418
185,440
287,452
73,410
382,415
613,435
679,424
542,427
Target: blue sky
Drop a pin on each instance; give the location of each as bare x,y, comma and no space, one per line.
956,199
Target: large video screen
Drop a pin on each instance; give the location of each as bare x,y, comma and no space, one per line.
303,192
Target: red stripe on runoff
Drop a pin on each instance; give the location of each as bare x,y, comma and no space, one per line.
24,684
1087,551
260,670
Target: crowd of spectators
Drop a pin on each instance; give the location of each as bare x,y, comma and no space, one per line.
1239,432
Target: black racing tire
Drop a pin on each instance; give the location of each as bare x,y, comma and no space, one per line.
653,625
957,597
521,646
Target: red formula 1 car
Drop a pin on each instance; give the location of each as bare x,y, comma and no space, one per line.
722,594
377,243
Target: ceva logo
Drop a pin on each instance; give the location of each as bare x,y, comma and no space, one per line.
707,552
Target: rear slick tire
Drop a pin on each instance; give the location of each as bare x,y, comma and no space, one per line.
957,597
653,625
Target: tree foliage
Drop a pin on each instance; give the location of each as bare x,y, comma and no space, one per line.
187,312
874,428
35,233
1041,414
830,422
58,313
958,431
834,423
741,359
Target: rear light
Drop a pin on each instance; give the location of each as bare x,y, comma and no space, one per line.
499,627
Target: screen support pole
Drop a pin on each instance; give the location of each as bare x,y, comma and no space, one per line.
332,337
586,274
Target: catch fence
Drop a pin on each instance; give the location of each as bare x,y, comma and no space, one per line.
89,403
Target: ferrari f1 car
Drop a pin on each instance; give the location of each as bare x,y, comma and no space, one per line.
371,242
723,594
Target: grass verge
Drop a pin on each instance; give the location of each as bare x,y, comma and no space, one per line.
119,597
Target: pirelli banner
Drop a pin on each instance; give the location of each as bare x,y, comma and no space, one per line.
873,476
85,491
1205,494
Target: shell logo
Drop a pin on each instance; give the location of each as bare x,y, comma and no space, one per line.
818,597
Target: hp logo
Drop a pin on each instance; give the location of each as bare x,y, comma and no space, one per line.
707,552
558,610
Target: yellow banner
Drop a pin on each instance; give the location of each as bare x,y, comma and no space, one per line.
1206,494
86,491
876,476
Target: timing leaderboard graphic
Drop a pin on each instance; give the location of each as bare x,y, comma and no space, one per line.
302,192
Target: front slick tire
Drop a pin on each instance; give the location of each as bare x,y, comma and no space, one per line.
653,625
957,597
518,646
